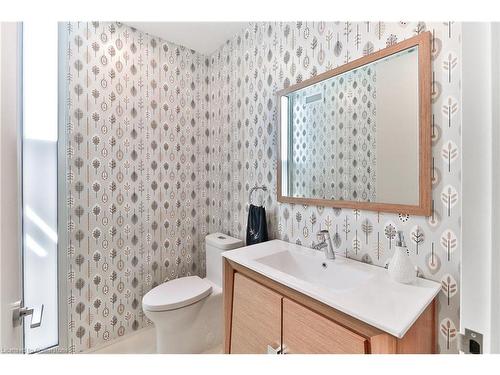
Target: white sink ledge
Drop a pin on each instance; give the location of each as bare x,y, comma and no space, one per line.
363,291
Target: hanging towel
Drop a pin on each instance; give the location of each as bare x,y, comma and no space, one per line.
256,225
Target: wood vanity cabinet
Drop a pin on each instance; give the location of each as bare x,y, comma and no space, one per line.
256,320
263,316
307,332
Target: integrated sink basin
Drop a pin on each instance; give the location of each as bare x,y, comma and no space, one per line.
363,291
332,274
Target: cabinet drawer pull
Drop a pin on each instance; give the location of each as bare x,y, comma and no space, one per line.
271,350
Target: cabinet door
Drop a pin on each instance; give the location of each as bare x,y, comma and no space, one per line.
256,317
305,331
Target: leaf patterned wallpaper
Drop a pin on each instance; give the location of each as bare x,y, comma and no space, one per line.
135,126
164,144
245,74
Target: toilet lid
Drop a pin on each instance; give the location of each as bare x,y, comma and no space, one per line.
175,294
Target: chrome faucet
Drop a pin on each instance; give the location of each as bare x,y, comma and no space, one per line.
325,244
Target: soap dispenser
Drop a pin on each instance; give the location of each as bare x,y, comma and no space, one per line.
401,269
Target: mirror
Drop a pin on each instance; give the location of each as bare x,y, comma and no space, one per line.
358,136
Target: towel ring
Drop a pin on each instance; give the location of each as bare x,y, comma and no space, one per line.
263,187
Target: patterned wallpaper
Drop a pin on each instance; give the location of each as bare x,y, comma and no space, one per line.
245,74
164,145
333,138
136,119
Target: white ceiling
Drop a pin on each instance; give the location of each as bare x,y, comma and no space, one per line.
203,37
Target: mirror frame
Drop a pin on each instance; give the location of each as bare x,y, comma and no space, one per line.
423,41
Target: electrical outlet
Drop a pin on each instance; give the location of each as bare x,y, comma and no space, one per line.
470,342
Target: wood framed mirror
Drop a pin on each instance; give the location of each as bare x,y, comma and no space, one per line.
359,136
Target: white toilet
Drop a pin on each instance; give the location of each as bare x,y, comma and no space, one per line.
187,312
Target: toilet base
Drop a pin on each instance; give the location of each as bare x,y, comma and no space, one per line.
192,329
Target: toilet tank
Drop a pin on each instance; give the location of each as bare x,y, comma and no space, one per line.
215,244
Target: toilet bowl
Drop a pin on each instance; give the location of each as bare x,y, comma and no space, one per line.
187,312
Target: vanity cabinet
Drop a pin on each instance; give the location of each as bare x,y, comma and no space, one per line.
263,316
306,332
256,321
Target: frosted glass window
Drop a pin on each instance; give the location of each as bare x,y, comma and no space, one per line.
40,186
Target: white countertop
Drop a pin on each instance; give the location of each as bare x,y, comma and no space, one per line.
378,301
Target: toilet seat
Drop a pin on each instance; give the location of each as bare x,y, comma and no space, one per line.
177,293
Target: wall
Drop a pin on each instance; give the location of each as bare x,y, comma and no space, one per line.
10,259
136,121
397,136
495,264
244,76
1,211
478,266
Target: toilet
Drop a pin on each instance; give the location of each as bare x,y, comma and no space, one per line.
187,312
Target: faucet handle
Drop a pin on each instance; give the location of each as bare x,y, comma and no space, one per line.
321,235
400,242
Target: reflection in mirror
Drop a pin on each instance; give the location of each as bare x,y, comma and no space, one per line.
355,136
